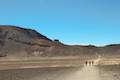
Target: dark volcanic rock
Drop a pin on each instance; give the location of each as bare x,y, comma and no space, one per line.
16,42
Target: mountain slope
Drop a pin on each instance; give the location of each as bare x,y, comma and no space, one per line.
16,42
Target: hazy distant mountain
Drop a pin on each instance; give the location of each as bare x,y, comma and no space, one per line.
18,42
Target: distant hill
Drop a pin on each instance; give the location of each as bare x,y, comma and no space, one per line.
17,42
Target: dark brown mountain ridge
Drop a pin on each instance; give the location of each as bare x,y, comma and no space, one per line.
17,42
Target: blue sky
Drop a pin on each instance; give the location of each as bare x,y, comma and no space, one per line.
86,22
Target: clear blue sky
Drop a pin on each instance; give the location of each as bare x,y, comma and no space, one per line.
72,21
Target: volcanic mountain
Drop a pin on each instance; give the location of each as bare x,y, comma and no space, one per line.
17,42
